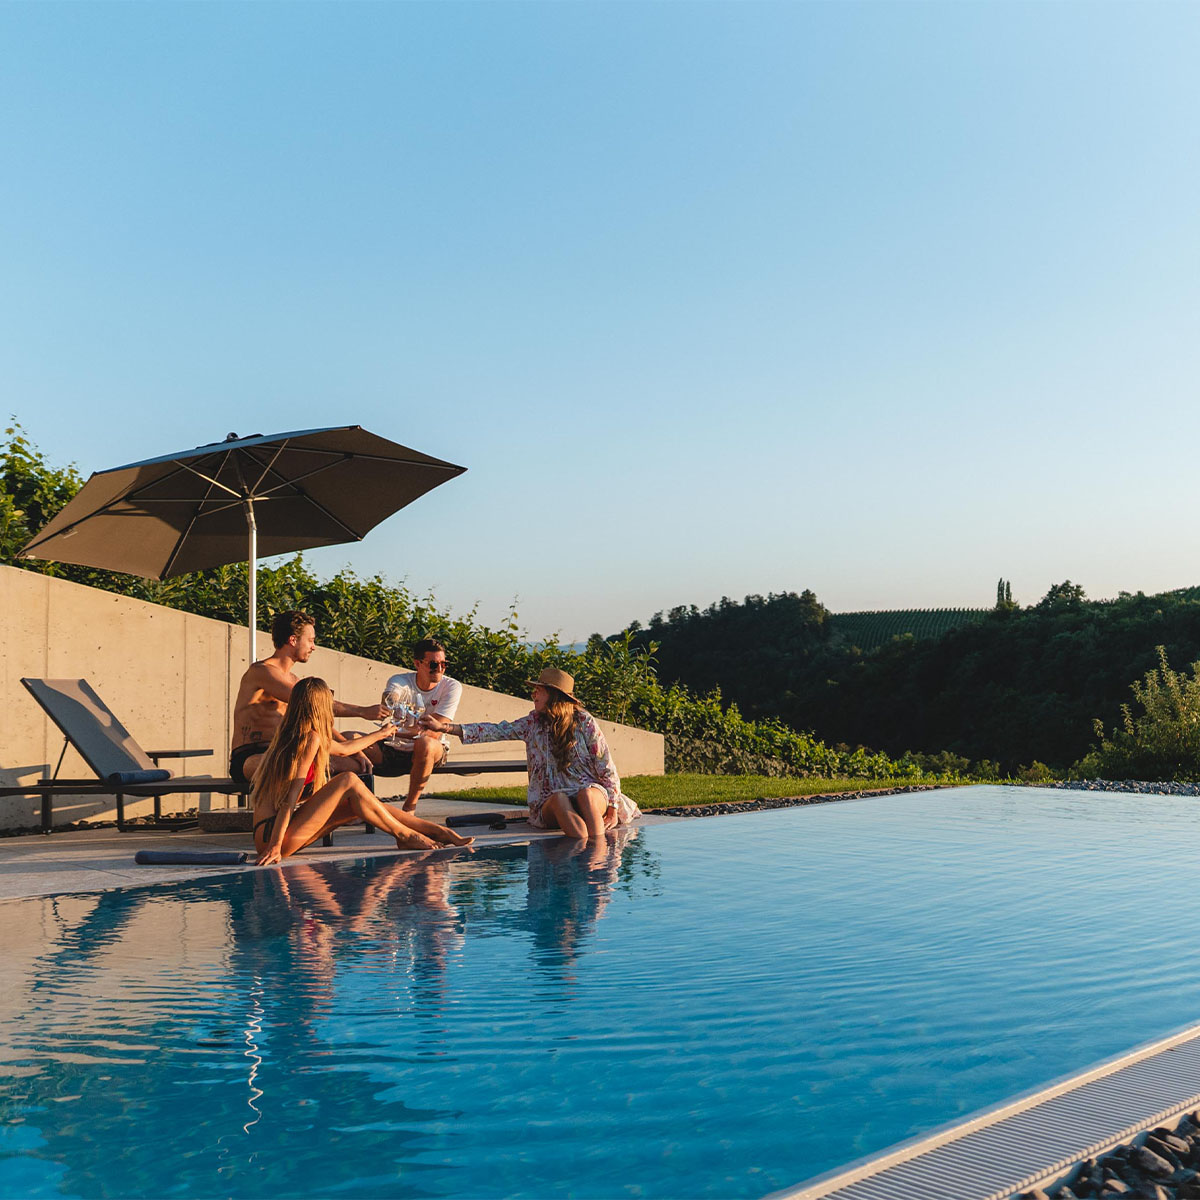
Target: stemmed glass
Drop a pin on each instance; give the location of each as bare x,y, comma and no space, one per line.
393,701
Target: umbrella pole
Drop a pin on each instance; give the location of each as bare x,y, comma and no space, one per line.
253,575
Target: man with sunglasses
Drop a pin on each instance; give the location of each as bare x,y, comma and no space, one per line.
417,752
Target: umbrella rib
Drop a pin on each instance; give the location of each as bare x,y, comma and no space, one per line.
326,466
209,479
354,534
434,465
128,497
267,467
292,483
177,549
158,482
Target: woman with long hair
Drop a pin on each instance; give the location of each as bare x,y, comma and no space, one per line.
286,819
573,781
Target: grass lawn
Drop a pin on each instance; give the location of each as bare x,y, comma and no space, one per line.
666,791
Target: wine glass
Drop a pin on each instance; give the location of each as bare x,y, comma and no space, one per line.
393,701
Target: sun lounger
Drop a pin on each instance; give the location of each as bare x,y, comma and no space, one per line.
122,768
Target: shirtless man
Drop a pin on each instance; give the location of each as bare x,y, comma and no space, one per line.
263,695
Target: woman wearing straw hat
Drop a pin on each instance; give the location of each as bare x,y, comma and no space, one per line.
573,781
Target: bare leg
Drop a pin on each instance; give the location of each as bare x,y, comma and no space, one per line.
591,804
427,753
358,764
439,833
343,799
558,811
324,810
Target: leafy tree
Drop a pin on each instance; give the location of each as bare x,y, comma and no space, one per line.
1063,595
31,492
381,620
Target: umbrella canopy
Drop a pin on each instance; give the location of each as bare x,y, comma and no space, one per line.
235,499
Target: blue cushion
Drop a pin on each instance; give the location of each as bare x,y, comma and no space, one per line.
199,858
117,778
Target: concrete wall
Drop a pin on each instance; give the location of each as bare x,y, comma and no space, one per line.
170,677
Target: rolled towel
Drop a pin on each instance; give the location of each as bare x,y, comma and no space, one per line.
119,778
494,820
190,858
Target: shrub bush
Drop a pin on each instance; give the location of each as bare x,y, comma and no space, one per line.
1162,741
380,620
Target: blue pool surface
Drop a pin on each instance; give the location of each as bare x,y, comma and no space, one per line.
714,1008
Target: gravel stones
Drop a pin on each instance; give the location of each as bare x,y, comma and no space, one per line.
741,806
1162,788
1163,1164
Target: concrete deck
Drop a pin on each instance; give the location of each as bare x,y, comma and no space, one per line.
94,860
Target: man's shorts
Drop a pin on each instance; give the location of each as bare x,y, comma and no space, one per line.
399,762
237,761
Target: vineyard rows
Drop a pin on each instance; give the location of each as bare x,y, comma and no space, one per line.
870,630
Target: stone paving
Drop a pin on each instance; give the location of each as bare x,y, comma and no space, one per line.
90,860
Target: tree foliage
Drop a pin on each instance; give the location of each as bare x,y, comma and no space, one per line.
1162,741
1009,686
379,619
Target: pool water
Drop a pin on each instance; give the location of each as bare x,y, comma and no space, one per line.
708,1008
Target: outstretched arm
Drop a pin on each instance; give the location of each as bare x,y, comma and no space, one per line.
441,725
481,731
355,744
365,712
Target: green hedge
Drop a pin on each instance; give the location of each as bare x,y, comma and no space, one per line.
380,620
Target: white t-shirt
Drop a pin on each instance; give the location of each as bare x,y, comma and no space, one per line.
440,701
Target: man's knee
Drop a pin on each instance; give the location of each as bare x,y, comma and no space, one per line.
427,751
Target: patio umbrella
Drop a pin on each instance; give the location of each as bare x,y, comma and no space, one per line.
237,499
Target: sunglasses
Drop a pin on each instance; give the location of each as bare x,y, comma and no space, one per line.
436,666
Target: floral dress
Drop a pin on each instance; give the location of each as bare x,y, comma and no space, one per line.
589,764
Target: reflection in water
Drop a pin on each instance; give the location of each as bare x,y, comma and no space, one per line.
570,884
277,1059
253,1029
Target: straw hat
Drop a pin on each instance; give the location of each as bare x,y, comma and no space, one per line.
553,677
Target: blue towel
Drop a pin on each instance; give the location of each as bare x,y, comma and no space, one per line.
198,858
493,820
117,778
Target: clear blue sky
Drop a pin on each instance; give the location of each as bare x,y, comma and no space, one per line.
883,300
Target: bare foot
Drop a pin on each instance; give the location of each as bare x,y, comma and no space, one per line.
409,806
453,839
415,841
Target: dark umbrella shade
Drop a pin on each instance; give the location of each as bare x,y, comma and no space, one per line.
186,512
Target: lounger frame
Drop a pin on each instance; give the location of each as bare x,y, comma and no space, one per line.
91,727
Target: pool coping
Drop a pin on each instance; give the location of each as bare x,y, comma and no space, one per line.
96,858
78,861
1033,1138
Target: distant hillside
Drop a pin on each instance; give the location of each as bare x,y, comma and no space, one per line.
870,630
1008,684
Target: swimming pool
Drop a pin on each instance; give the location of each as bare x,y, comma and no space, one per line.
708,1008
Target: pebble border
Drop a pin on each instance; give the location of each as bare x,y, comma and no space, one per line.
730,807
1163,788
1163,1164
